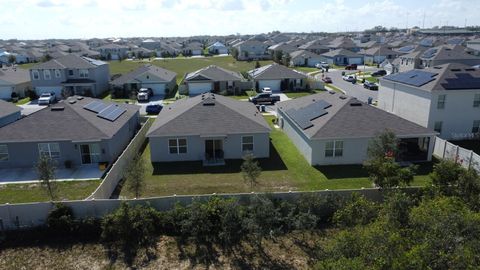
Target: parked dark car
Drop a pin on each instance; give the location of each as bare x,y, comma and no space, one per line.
379,73
351,67
370,85
327,80
153,109
263,98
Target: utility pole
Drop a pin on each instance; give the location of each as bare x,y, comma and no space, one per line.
423,22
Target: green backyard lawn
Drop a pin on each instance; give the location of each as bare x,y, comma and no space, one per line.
23,193
286,169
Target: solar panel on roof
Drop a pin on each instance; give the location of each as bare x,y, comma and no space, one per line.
413,77
406,48
112,114
463,81
305,115
95,106
429,53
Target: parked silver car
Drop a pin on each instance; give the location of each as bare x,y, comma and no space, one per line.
47,98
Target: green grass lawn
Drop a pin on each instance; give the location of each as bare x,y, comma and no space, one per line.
307,69
334,88
23,193
298,94
286,169
120,100
23,101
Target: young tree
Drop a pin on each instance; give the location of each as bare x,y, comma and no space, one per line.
11,59
46,173
234,53
250,169
381,165
135,176
257,64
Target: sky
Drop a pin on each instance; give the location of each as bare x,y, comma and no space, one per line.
42,19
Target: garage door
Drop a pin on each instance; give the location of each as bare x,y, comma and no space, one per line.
158,88
199,88
357,61
44,89
273,84
5,92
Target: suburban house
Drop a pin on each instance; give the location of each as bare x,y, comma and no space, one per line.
317,46
72,75
304,58
209,128
281,47
113,51
9,113
217,48
343,43
252,50
444,98
377,55
474,46
448,54
342,57
75,131
146,76
193,49
278,78
409,61
331,129
14,80
212,78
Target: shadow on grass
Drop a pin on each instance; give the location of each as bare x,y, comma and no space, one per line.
359,171
273,163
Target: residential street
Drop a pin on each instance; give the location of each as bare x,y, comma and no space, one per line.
354,90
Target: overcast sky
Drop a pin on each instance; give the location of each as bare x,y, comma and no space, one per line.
39,19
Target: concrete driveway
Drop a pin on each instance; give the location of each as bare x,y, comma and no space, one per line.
153,100
30,107
354,90
29,175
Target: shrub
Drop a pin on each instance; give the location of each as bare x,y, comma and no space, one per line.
357,211
60,219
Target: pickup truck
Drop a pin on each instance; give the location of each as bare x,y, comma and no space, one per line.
263,98
47,98
144,94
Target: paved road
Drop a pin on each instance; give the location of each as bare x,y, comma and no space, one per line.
354,90
153,100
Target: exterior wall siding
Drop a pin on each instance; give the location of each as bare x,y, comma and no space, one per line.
354,152
10,118
232,147
296,136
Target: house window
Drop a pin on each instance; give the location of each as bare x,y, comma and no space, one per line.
438,126
70,72
334,149
83,73
441,101
3,152
36,75
476,101
51,150
475,128
46,75
177,146
247,144
57,73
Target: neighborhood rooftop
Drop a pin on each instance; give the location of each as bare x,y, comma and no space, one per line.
70,61
209,115
162,74
214,73
67,121
346,117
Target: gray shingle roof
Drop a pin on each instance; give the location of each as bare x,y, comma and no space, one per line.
70,61
191,117
303,54
343,52
345,121
214,73
14,75
7,108
164,74
74,123
275,71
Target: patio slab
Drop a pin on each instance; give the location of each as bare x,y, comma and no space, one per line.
29,175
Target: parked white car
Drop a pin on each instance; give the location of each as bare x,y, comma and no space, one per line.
144,94
266,90
47,98
348,78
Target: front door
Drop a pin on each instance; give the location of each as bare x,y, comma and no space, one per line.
216,86
213,149
90,153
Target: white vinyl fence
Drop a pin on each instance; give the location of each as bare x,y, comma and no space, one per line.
115,174
28,215
447,150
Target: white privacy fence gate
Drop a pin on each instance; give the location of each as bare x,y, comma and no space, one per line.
447,150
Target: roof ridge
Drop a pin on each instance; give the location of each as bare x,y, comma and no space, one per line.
86,120
333,116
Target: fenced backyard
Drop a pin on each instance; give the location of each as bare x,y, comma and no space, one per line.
115,173
447,150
